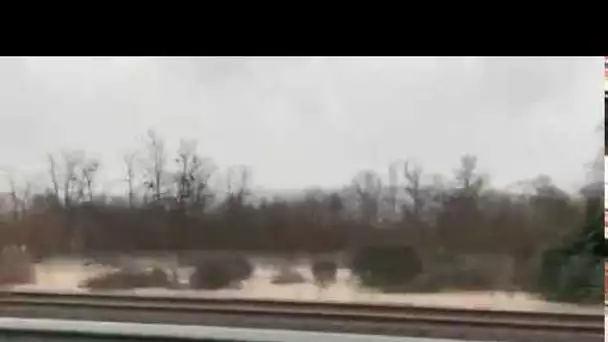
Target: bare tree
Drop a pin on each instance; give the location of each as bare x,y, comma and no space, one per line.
64,179
192,178
184,179
73,189
368,187
393,181
156,165
14,198
19,196
54,177
414,189
129,160
25,198
469,181
88,174
74,181
202,170
237,183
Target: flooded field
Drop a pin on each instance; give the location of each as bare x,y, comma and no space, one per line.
67,274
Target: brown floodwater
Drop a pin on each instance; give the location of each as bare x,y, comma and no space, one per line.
66,275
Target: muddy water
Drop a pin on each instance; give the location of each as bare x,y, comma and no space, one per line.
67,274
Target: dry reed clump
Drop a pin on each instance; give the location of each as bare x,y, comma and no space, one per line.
16,266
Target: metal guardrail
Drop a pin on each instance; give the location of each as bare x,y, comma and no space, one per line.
569,322
331,322
93,330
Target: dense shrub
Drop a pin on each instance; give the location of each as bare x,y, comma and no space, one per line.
240,267
122,279
571,277
573,271
324,272
385,267
218,273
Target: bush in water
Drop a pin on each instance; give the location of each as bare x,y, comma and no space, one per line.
287,275
240,267
385,267
324,272
122,279
214,274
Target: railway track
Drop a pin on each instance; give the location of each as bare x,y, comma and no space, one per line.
569,326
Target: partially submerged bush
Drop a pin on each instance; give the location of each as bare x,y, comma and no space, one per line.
121,280
217,273
287,275
324,272
240,267
213,275
385,267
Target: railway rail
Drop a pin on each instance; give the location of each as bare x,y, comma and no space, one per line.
587,327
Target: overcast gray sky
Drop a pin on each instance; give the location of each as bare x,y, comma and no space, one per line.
300,122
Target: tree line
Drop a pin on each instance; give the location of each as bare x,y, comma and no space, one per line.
169,204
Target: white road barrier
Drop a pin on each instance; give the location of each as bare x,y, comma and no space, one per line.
188,332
